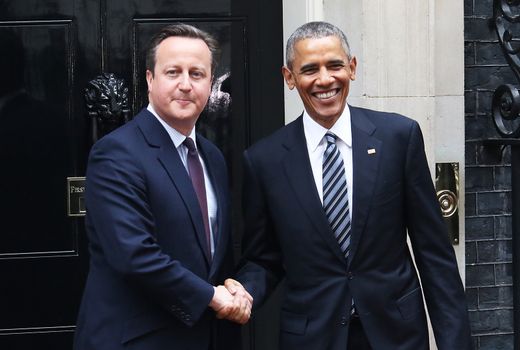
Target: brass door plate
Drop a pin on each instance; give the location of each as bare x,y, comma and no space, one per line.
76,196
447,187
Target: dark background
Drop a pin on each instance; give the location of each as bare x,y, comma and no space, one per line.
488,186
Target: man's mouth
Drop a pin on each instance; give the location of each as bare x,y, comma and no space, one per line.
326,94
182,101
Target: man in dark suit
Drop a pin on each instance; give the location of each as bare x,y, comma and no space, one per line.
158,218
329,200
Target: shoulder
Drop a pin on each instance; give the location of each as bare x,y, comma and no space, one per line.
380,118
126,132
386,126
279,139
126,139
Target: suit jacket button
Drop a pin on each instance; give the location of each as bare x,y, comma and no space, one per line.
350,275
343,321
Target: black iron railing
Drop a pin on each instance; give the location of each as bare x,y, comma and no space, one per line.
506,113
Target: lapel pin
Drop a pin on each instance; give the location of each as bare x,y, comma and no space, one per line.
371,151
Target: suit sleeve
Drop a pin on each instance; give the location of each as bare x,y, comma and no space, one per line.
261,265
121,225
434,255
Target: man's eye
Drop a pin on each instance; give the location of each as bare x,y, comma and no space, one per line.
309,71
171,72
197,75
336,66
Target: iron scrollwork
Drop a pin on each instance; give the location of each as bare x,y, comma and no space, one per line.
506,98
106,98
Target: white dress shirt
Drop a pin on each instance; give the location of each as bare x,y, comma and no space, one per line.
316,144
178,139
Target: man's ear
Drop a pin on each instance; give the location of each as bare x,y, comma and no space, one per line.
149,78
289,78
352,66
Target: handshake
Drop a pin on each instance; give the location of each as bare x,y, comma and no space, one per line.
232,302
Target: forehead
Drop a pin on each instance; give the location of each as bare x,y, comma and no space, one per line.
318,49
182,48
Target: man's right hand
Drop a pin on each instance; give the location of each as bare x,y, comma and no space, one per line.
242,302
222,300
232,302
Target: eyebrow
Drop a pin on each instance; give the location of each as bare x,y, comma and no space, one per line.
336,62
314,65
308,66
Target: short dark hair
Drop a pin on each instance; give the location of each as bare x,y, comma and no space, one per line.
185,31
314,30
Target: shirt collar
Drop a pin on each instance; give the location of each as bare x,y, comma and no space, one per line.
177,137
314,132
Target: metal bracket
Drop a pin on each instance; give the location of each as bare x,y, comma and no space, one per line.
447,187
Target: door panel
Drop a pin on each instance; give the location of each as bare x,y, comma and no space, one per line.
33,140
42,271
50,51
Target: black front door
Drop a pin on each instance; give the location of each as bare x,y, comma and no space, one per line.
50,51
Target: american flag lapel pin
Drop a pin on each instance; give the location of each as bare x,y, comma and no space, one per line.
371,151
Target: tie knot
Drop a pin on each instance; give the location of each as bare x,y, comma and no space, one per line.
190,145
330,137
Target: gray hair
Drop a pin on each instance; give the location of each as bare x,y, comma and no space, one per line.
314,30
186,31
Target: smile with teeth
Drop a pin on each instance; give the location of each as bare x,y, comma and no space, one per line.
327,94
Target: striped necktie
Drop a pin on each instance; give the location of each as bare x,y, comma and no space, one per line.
335,194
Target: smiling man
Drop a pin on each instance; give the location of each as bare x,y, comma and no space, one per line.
329,200
158,218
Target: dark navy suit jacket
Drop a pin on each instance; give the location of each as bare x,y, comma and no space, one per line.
150,279
287,235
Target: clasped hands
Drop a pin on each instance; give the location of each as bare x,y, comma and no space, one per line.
232,302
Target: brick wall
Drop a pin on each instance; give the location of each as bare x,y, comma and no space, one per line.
488,185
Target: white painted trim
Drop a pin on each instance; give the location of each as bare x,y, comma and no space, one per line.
314,10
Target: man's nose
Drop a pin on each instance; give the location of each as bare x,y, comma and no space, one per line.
324,76
185,82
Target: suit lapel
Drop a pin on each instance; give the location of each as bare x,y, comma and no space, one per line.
299,175
366,150
169,158
219,233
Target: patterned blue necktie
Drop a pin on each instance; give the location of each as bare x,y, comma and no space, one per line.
335,194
